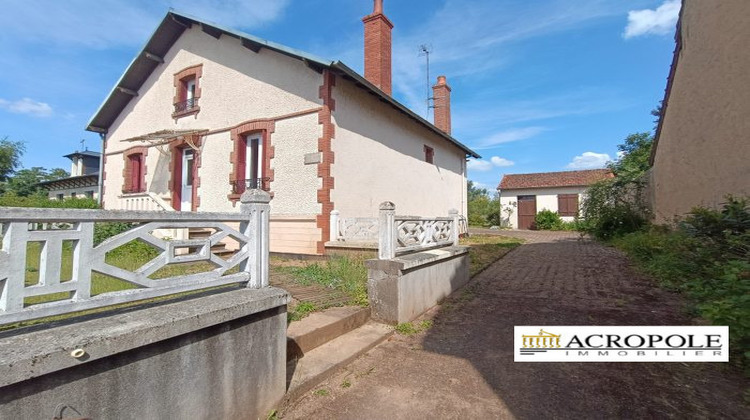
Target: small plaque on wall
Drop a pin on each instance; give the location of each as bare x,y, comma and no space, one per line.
312,158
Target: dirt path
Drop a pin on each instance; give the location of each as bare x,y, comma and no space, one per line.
463,365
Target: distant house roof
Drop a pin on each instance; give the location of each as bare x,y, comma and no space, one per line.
84,153
172,27
554,179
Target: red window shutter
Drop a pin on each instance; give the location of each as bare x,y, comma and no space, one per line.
136,173
241,163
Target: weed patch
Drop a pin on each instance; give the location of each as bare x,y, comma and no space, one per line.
345,274
707,257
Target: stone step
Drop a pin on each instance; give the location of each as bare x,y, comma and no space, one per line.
196,233
319,328
321,363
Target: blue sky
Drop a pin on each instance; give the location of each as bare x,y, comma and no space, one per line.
542,85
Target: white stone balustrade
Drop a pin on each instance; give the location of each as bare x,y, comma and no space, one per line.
53,227
402,234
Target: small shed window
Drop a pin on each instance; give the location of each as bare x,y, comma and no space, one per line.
429,154
567,205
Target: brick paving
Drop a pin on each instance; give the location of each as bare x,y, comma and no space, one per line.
462,367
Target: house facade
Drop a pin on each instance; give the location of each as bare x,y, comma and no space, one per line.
522,196
205,112
701,151
83,181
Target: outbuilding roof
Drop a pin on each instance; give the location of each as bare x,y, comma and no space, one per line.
172,27
554,179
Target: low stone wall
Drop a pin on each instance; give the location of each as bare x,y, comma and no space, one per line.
217,356
403,288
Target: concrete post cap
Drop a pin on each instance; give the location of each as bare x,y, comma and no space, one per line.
255,196
387,205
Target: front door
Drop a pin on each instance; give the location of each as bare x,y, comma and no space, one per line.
526,211
186,193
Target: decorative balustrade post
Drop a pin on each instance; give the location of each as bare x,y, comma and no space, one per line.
14,262
334,228
255,204
453,213
387,231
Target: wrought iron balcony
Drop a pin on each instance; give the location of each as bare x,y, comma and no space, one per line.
241,185
185,106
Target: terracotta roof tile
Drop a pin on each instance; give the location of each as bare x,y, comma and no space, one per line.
554,179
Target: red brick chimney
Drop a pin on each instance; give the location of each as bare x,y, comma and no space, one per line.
441,94
378,48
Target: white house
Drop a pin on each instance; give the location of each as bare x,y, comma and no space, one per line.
522,196
204,112
83,180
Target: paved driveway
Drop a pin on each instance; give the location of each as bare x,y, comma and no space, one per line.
462,367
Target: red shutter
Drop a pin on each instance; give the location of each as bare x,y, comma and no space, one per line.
136,173
240,164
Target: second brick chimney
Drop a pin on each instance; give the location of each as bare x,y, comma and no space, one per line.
378,48
441,94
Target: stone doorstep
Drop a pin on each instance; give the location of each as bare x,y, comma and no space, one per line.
321,327
321,363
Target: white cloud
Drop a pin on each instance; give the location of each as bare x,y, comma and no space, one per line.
27,106
501,162
479,165
485,166
508,136
589,160
660,21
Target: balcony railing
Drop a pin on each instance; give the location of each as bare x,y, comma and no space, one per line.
241,185
186,106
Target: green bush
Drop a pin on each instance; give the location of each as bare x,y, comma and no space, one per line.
44,202
548,220
106,230
707,257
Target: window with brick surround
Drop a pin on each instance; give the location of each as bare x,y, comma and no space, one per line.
187,91
429,154
567,205
135,173
250,165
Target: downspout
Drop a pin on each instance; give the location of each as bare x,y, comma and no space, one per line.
100,197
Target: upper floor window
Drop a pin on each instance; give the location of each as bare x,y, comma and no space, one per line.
429,154
188,91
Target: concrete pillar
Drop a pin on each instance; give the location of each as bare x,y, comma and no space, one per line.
387,231
256,205
453,213
334,226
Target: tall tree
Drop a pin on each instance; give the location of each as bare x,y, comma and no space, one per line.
10,157
636,151
25,182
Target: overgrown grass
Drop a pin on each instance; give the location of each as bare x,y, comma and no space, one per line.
345,274
300,311
486,249
708,259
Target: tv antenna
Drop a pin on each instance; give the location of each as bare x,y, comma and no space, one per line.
425,50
